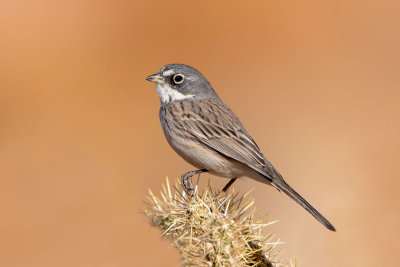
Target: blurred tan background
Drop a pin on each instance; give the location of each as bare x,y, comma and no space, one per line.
315,82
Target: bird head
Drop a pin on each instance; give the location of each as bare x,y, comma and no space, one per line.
178,82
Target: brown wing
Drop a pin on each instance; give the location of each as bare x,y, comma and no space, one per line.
212,123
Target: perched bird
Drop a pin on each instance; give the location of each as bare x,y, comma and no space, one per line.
205,132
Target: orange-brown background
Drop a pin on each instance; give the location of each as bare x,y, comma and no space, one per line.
315,82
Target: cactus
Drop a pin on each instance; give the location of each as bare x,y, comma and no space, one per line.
210,228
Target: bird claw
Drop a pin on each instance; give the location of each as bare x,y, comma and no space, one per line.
186,181
187,184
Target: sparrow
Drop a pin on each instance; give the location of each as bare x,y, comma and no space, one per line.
205,132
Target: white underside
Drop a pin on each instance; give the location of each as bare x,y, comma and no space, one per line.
168,95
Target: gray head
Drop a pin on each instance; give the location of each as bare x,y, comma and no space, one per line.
178,81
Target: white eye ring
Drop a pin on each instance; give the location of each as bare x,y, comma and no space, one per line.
178,78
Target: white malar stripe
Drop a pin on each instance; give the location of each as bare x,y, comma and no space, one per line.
168,95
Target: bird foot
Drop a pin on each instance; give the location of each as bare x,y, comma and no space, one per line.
186,181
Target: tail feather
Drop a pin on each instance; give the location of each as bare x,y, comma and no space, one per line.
288,190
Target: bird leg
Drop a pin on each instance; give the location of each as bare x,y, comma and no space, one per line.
186,179
226,187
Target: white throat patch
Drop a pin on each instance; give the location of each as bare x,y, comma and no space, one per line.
168,95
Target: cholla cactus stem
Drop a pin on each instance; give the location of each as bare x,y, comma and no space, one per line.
212,228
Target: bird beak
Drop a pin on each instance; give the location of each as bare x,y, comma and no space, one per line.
155,78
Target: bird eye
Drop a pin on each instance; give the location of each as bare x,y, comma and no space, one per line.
178,78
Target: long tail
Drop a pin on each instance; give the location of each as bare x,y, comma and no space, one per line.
288,190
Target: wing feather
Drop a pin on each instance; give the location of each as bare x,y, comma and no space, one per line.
212,123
